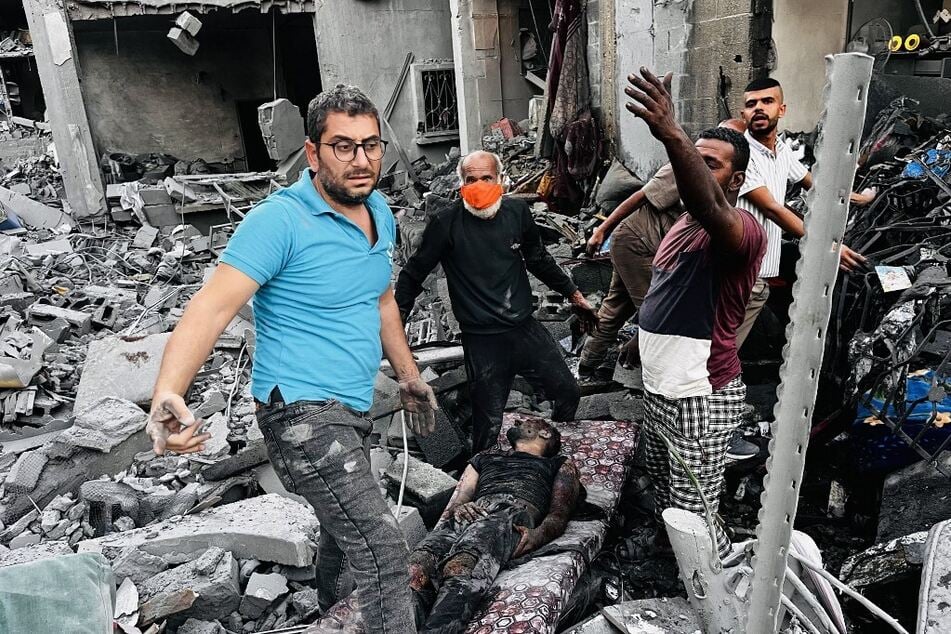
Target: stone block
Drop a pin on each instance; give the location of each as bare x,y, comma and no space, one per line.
261,593
23,540
183,40
79,320
305,603
444,443
427,488
194,626
282,127
267,528
188,23
914,498
895,560
102,441
125,368
137,565
212,579
412,525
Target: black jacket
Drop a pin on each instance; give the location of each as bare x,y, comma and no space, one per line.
485,263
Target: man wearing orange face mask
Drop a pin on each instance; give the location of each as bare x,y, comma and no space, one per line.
487,244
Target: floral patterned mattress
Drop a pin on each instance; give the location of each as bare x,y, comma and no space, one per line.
531,596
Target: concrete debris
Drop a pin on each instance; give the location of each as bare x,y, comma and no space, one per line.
282,127
36,552
103,440
184,40
305,602
137,565
188,23
268,528
427,488
206,587
23,540
194,626
897,559
915,498
125,368
262,591
26,472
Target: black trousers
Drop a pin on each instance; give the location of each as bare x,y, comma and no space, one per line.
492,361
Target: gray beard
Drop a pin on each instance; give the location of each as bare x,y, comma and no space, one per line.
484,214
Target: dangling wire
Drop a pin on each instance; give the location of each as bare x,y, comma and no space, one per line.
115,28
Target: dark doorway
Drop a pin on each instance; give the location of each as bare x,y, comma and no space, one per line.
255,151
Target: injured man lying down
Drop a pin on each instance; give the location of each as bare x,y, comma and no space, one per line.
508,504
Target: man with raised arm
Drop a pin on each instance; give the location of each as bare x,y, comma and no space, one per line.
703,273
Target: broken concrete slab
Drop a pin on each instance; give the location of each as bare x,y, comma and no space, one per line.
934,604
122,367
137,565
50,247
282,128
890,561
650,616
248,458
427,488
269,482
212,578
34,214
79,320
915,498
102,441
262,591
45,550
267,528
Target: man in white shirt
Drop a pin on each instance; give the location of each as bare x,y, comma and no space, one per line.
772,166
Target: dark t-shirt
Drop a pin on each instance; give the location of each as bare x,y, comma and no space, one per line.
526,476
696,302
486,263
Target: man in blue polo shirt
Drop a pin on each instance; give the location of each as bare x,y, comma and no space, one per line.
317,259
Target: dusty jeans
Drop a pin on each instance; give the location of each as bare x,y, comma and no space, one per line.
465,559
320,450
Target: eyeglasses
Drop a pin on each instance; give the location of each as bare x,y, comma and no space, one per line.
346,151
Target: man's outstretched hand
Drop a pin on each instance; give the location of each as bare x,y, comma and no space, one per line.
652,102
530,540
172,426
419,406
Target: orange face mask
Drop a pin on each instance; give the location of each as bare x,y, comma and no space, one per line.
481,195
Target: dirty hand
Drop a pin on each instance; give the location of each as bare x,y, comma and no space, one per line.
595,242
419,405
630,354
528,542
585,312
653,102
468,513
172,426
850,261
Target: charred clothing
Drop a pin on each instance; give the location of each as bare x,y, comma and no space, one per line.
526,476
465,558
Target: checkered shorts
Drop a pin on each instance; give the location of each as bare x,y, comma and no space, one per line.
700,429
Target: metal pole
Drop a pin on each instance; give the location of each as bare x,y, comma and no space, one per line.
846,91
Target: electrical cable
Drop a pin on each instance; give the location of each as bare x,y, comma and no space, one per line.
924,20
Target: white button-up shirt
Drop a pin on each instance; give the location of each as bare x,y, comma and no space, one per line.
774,172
